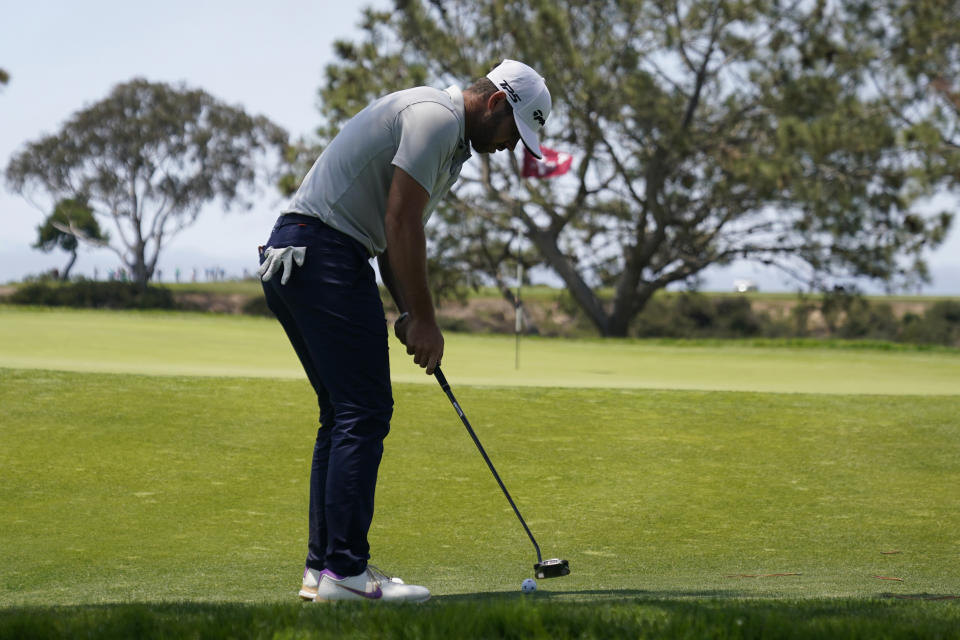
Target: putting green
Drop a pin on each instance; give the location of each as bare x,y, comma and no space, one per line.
179,489
162,343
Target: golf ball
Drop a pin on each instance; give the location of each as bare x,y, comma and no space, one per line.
529,585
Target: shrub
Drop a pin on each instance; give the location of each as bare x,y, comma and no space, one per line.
869,321
696,312
939,325
452,324
692,315
658,320
90,294
735,318
257,306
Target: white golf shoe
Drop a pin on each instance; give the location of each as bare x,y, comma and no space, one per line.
308,589
372,584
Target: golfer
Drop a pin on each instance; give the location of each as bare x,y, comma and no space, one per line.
369,194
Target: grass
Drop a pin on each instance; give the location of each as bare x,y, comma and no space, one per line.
250,287
165,343
672,492
508,618
172,505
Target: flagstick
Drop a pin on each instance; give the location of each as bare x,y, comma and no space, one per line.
518,311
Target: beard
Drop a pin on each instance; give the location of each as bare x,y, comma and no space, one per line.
481,138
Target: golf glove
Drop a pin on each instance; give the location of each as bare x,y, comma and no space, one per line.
274,258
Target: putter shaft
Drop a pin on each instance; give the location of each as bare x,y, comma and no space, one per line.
446,389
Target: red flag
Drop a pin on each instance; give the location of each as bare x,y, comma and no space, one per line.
554,163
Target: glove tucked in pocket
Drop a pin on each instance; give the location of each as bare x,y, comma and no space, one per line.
274,259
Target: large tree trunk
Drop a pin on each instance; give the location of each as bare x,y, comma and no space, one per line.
66,270
546,243
141,272
625,304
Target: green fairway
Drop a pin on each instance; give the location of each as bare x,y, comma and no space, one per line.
163,343
165,488
172,505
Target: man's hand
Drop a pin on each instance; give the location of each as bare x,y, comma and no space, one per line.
423,340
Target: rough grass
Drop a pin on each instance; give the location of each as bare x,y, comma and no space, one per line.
495,618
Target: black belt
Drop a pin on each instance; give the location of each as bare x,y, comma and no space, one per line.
301,219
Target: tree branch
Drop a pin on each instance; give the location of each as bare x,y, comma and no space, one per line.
701,72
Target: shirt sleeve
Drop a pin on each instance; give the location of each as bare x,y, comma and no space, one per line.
428,133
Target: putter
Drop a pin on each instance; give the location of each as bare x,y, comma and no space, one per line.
552,568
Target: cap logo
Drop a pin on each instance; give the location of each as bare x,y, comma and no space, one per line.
538,116
514,96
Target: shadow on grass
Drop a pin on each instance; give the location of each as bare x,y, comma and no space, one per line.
593,595
600,613
919,596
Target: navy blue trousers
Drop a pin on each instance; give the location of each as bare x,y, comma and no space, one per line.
331,311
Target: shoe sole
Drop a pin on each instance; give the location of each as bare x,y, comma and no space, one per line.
331,600
306,595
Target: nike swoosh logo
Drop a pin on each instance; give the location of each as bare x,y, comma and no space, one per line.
376,594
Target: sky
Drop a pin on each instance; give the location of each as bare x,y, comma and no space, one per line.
266,57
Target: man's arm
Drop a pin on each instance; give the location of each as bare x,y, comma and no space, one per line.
407,267
386,274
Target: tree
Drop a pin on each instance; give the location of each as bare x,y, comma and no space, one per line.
148,157
4,77
916,67
72,218
703,130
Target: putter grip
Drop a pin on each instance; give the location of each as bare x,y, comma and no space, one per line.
441,379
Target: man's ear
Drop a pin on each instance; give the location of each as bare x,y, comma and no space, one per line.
495,99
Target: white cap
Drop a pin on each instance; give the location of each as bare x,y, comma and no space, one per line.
529,97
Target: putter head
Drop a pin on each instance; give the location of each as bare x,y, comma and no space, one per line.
553,568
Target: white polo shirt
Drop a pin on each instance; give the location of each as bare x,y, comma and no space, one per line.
420,130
